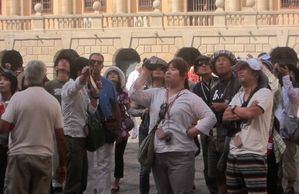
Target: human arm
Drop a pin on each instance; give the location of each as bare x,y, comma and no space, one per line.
262,101
293,93
229,115
137,93
5,127
8,118
206,117
72,88
219,106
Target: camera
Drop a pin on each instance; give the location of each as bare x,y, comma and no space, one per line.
154,63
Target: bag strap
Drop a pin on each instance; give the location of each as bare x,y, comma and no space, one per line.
162,117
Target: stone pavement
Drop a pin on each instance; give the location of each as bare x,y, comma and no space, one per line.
129,184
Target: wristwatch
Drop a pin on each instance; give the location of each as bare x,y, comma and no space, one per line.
233,108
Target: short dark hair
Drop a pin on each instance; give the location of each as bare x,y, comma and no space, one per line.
99,54
183,67
14,58
12,78
68,54
77,65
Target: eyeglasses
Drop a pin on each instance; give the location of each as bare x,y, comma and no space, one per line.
93,62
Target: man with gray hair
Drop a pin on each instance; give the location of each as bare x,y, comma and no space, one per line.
33,117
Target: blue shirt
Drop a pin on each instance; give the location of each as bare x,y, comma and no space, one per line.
107,97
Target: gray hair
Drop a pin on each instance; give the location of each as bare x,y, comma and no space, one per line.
35,72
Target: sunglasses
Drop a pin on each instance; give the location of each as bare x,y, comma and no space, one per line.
201,64
93,62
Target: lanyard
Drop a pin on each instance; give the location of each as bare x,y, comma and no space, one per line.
203,90
170,104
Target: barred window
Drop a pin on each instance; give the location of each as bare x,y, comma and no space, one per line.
201,5
89,3
145,5
290,4
47,5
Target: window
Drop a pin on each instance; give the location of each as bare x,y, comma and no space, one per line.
47,5
290,4
89,3
201,5
145,5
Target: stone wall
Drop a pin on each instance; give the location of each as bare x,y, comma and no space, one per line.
147,42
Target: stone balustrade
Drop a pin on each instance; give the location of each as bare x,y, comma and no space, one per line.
166,20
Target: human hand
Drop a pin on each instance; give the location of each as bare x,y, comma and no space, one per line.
218,107
192,132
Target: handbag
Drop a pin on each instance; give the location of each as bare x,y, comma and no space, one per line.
146,150
129,123
96,132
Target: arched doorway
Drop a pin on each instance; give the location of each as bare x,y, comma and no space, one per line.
126,60
189,54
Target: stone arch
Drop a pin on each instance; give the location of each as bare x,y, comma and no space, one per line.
189,54
126,59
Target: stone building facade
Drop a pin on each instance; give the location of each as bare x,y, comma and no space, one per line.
118,28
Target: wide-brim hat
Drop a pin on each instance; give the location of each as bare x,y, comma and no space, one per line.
225,53
120,73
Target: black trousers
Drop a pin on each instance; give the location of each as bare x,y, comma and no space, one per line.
119,158
3,164
77,166
274,185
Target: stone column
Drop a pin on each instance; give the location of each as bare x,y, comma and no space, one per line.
121,6
177,6
262,5
13,7
66,7
235,5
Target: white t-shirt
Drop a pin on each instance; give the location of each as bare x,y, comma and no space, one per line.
255,133
132,78
187,109
35,114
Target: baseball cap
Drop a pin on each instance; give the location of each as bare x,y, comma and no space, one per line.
252,63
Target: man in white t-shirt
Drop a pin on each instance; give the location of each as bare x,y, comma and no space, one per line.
250,110
33,117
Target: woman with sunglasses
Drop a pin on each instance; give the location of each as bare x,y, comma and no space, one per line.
185,116
8,86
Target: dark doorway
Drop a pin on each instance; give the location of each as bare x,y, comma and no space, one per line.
126,60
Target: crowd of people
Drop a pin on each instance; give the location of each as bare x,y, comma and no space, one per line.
243,111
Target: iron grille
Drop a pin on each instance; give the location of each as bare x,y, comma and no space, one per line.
290,4
201,5
47,5
145,5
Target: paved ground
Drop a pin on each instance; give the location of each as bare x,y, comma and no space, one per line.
129,185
